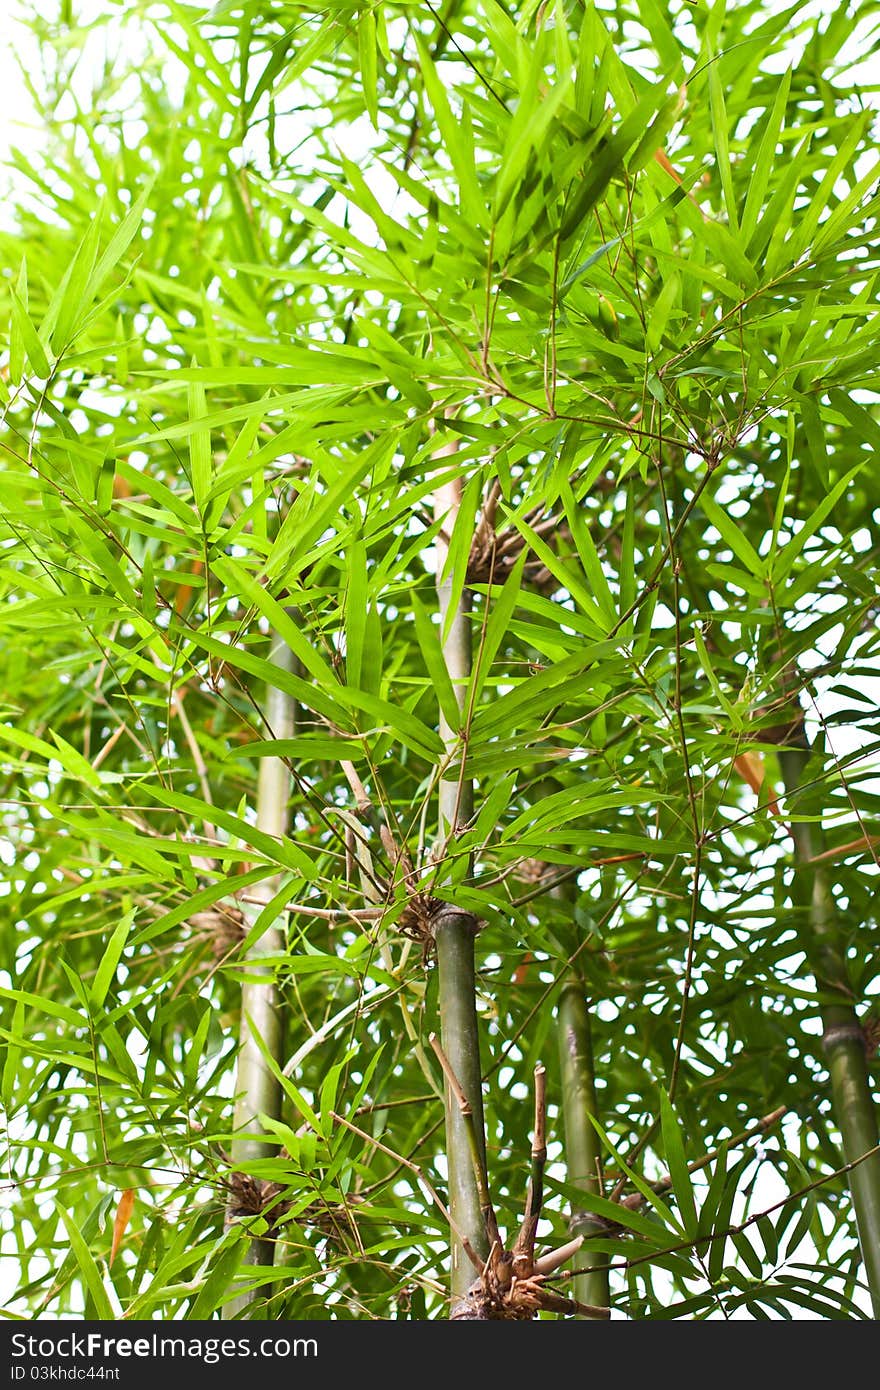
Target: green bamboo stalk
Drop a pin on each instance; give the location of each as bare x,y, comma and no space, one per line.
583,1154
842,1036
258,1092
454,933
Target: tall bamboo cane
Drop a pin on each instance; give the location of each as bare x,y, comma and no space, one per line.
842,1036
582,1151
454,933
257,1090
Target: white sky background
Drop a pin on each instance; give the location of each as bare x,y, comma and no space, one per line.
20,127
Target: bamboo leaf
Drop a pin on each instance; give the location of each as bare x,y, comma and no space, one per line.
367,54
28,336
764,158
199,445
429,643
678,1169
215,1286
92,1277
124,1209
16,337
356,609
77,297
279,851
786,558
118,244
501,609
110,960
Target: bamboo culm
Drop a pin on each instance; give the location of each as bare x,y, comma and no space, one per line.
842,1035
258,1092
454,934
582,1149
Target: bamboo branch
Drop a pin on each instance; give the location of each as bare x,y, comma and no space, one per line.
524,1248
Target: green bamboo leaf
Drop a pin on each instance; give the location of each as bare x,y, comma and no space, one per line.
118,244
589,557
786,558
282,620
429,643
747,1253
459,549
395,719
222,1262
720,128
655,136
662,309
733,534
236,467
655,17
290,1088
367,55
279,851
765,157
717,1185
77,297
199,444
330,1090
356,607
29,337
72,761
373,661
109,961
861,419
842,219
610,159
309,748
821,198
15,1038
678,1170
92,1277
454,133
726,704
722,1219
566,576
196,1049
626,1217
312,512
308,693
16,338
197,44
501,608
88,1229
653,1199
142,480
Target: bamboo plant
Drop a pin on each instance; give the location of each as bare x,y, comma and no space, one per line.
495,385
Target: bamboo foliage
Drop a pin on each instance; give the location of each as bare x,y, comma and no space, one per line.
495,388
